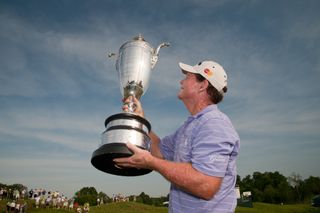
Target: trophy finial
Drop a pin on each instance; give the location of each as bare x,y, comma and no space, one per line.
139,38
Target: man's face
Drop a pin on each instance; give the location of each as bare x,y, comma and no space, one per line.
189,87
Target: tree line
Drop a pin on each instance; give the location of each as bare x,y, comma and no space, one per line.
268,187
273,187
90,195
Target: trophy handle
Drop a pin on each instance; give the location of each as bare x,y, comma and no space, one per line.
154,58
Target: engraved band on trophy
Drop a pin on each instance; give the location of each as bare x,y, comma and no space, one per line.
135,60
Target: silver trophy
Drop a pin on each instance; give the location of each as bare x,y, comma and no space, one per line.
135,60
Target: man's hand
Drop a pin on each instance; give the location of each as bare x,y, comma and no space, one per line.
138,110
141,159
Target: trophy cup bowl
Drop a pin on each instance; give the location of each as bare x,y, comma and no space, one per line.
134,63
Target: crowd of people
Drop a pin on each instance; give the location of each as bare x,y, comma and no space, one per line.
42,199
50,199
12,194
119,198
16,202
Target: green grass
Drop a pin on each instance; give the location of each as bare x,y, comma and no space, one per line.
121,207
273,208
124,207
132,207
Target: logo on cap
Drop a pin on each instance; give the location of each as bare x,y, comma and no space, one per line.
208,72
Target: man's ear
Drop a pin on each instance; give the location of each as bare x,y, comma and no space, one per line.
204,85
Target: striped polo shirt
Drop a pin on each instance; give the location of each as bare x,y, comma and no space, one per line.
210,143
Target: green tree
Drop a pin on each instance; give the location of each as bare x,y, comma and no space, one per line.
104,197
271,187
87,194
280,186
144,198
285,193
269,194
296,182
246,184
158,201
259,181
311,187
257,195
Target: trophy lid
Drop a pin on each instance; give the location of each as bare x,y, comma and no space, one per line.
137,41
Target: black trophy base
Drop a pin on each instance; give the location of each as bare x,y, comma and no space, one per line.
102,159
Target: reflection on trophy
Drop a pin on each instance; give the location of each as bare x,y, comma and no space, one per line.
134,62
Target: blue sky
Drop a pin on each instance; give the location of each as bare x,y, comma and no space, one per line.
57,86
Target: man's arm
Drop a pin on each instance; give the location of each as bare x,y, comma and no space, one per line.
155,149
183,175
155,142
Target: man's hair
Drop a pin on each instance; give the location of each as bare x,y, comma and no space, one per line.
215,96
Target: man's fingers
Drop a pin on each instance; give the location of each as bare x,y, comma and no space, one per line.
127,160
132,147
121,160
132,161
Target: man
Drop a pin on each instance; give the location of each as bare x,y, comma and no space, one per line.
199,159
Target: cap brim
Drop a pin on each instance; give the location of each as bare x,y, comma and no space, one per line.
187,68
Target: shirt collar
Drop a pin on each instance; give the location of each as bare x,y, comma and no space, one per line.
210,107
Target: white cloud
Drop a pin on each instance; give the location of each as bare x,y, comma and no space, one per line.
75,130
39,63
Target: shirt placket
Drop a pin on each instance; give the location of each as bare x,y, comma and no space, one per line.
183,140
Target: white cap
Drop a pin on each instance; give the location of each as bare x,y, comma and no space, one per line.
210,70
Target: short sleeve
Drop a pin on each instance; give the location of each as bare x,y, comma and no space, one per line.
212,147
167,147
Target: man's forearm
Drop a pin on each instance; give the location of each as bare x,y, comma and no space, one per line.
155,142
180,174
